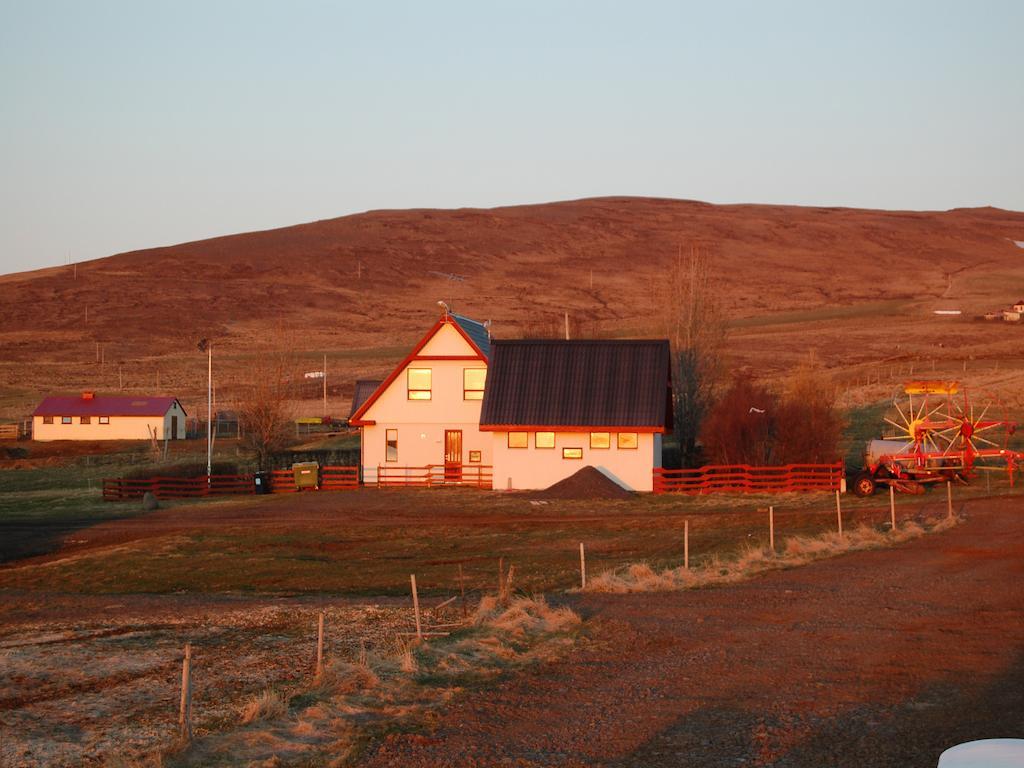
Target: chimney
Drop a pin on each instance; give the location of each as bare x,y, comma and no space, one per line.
88,395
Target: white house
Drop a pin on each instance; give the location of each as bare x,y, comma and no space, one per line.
426,413
92,417
556,406
548,409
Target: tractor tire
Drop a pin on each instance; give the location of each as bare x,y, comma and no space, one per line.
864,484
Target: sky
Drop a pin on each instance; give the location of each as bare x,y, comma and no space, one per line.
127,125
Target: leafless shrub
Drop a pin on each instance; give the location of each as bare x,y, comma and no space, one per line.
265,405
740,427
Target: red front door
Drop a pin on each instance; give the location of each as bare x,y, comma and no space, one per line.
453,455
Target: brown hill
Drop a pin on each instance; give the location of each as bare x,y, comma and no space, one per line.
857,285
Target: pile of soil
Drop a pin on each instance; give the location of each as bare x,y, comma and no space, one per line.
588,483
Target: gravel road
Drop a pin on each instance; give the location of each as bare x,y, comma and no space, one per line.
876,658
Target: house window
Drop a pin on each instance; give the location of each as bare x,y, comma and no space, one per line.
544,439
518,439
65,419
473,383
419,383
83,419
391,436
627,440
47,419
572,453
474,457
104,419
600,440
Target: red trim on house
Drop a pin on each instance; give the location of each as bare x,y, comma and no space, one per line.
450,357
357,417
563,428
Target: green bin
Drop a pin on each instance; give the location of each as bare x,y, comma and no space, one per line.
307,475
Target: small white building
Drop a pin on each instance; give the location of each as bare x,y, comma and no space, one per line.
1011,315
426,413
92,417
1018,307
554,407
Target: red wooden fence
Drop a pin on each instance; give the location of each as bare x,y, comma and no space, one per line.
435,476
281,481
743,478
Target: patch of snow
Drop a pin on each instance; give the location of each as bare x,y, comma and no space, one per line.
1018,243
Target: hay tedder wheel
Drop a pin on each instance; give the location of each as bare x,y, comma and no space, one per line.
863,484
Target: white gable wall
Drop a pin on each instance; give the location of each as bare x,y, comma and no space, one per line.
421,424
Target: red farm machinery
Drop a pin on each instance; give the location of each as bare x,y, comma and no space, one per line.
936,433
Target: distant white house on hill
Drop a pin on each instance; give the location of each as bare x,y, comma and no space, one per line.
93,417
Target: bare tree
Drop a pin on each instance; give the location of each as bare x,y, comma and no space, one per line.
809,425
740,427
265,405
696,329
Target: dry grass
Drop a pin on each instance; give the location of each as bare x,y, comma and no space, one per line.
795,551
266,705
324,722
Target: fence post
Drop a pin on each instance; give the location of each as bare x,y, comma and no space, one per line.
185,708
892,506
686,544
462,589
320,645
416,607
583,568
771,529
839,513
949,498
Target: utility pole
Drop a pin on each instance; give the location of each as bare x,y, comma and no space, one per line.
209,411
325,385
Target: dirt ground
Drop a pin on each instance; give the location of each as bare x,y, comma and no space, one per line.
880,658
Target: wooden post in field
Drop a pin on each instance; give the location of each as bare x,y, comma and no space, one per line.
686,544
320,645
501,575
771,529
462,589
416,607
949,498
892,506
839,513
583,568
185,709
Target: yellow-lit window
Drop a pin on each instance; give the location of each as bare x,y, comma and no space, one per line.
47,419
391,439
104,419
544,439
572,453
65,419
473,383
600,440
83,419
627,440
518,439
419,383
474,457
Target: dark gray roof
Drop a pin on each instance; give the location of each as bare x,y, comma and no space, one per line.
586,383
476,331
364,388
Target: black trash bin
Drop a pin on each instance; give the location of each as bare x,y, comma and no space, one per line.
261,482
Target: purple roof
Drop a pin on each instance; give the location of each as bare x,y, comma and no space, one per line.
105,406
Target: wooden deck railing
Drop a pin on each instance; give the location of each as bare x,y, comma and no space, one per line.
435,476
743,478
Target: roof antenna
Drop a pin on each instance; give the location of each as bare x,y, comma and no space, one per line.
566,326
444,308
487,325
